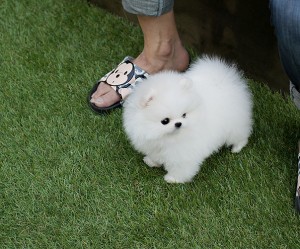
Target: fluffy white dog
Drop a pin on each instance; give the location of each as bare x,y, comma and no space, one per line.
177,120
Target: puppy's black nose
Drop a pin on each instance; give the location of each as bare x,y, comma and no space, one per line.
177,125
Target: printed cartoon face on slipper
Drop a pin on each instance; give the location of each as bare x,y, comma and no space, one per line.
121,78
121,75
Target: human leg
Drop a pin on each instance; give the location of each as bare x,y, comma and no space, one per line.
285,17
162,49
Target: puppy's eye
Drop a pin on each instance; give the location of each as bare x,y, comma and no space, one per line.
165,121
184,115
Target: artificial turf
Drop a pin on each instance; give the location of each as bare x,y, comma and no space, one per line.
70,178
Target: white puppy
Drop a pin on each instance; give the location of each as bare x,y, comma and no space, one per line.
179,119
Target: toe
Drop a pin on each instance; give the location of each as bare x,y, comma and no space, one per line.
101,90
104,96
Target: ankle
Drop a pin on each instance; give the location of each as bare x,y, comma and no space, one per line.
164,49
165,56
173,55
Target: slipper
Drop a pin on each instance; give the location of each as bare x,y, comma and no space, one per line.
122,79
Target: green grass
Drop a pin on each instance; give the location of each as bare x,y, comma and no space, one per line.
70,179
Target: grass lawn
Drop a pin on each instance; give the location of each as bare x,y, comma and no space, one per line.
70,179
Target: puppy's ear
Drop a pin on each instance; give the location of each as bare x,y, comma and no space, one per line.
185,83
147,98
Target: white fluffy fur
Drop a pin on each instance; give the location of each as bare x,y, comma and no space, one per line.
217,105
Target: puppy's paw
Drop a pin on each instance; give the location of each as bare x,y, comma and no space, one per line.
171,179
147,160
236,148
